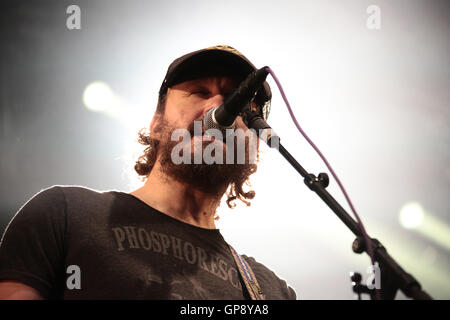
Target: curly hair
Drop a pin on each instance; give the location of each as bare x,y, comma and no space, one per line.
146,161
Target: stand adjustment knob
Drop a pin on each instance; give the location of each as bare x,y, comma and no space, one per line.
323,179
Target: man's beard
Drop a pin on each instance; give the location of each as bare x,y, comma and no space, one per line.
213,179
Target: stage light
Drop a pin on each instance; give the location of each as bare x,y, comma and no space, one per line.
411,215
99,97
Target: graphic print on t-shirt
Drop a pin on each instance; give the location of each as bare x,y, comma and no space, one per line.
181,257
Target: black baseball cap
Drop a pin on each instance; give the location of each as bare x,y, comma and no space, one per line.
221,60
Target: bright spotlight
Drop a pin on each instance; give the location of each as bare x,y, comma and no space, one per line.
99,97
411,215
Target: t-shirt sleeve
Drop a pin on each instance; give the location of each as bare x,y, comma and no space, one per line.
32,247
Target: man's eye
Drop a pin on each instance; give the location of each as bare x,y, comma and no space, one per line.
201,92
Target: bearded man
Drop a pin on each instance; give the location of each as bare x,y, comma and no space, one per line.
159,241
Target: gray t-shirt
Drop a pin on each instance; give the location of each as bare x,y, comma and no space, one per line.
75,243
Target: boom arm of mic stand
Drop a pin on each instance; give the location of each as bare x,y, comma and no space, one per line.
392,275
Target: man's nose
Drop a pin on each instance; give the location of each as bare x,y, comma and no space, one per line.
213,102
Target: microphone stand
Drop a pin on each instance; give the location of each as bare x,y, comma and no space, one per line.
393,277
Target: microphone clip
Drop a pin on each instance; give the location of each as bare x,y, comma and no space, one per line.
254,120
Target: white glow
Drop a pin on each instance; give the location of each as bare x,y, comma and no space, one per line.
411,215
99,97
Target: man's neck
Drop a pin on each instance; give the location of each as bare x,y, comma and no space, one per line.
177,199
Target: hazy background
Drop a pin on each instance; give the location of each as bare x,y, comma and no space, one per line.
376,102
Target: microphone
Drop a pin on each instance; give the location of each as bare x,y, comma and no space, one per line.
224,116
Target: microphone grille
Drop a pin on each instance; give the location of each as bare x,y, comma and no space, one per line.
209,122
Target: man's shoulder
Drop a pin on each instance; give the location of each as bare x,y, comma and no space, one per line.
278,287
72,198
74,191
260,268
78,206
